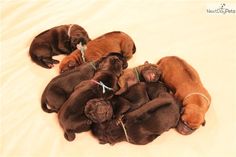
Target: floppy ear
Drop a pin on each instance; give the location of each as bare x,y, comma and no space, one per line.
182,110
125,63
204,123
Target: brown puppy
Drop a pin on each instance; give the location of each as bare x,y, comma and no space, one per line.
146,72
59,88
57,40
110,42
183,79
98,110
103,84
141,125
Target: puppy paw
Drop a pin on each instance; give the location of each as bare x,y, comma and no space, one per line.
55,61
69,136
68,66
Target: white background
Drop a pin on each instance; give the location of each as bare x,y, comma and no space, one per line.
159,28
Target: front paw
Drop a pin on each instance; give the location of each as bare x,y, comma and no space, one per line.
68,66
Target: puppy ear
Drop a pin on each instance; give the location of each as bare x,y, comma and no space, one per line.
125,63
146,62
204,123
182,110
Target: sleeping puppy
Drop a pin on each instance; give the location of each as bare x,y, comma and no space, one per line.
102,85
59,88
110,42
184,80
142,125
100,110
57,40
146,72
133,98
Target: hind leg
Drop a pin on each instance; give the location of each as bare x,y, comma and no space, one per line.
44,57
56,98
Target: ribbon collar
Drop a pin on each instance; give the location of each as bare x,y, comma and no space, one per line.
82,50
104,87
136,74
119,121
69,30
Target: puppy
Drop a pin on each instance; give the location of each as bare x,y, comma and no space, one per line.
59,88
146,72
102,85
110,42
142,125
184,80
133,98
57,40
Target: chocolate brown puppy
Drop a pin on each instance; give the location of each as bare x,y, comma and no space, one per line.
110,42
102,85
133,98
59,88
142,125
57,40
146,72
184,80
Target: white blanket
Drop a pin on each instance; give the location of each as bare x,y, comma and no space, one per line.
182,28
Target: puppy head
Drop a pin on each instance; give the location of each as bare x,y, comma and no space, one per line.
98,110
191,120
150,72
69,66
114,62
77,35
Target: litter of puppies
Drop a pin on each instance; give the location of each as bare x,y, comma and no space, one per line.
96,91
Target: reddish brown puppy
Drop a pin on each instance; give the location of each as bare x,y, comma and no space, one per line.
110,42
184,80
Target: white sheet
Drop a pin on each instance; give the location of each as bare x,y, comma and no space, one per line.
159,28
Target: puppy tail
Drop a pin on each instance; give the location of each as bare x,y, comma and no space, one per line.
150,106
44,103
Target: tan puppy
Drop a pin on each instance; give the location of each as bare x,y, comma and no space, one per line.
186,84
110,42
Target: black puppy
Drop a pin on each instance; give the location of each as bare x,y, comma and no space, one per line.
102,85
142,125
59,88
57,40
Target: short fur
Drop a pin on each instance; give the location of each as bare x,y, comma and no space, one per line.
143,123
72,110
59,88
110,42
146,72
56,41
183,79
